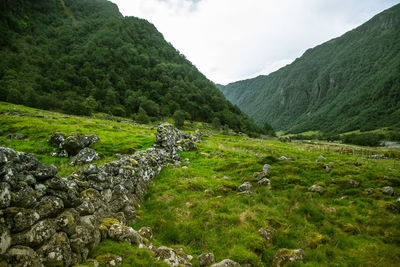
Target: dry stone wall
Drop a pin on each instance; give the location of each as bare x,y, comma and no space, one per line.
48,220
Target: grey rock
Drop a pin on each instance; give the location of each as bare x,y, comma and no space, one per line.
264,181
76,142
117,127
25,197
388,190
246,187
23,256
284,255
125,234
146,232
377,156
267,233
167,255
206,259
84,156
36,235
354,183
5,195
283,158
57,251
49,206
5,239
316,188
369,191
44,172
7,155
16,136
260,175
20,219
321,157
226,263
266,167
56,139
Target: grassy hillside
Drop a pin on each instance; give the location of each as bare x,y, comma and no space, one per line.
348,83
361,229
81,57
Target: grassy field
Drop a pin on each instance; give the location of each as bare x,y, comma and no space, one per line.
199,208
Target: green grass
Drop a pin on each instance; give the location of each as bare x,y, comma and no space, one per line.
359,231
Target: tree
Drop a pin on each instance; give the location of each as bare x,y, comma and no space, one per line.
14,96
268,130
216,123
179,118
141,116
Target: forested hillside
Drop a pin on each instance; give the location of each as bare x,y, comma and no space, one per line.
83,56
348,83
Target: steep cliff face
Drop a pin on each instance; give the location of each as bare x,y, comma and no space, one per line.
351,82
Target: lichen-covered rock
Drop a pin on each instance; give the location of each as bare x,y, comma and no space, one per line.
172,139
23,256
266,167
206,259
353,183
24,197
44,172
36,235
84,156
246,187
20,219
57,251
316,188
7,155
5,195
388,190
5,239
267,233
125,234
260,175
226,263
56,139
264,181
109,260
146,232
167,255
49,206
284,255
76,142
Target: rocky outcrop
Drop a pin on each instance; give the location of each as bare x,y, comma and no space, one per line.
73,144
48,220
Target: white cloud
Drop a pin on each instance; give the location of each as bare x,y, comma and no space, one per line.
229,40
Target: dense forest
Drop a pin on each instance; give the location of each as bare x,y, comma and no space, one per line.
83,56
348,83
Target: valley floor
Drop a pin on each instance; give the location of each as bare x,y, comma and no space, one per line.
197,206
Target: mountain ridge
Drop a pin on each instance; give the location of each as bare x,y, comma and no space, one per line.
313,92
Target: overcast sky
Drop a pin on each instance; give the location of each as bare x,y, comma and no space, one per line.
230,40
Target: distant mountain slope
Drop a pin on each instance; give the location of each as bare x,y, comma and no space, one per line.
351,82
80,56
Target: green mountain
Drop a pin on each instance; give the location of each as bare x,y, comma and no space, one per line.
348,83
83,56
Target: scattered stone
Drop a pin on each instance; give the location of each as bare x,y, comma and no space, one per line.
316,188
41,116
321,157
146,232
226,177
354,183
267,233
357,164
344,197
84,156
369,191
167,255
117,127
218,154
264,181
16,136
124,233
284,255
328,169
246,187
266,167
184,167
226,263
206,259
398,201
56,139
109,260
209,192
284,158
388,190
377,156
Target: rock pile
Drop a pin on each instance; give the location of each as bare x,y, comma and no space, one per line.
73,144
47,220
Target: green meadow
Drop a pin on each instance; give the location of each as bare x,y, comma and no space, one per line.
197,206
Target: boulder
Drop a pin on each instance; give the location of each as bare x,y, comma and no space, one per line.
226,263
20,219
57,251
266,167
16,136
388,190
167,255
206,259
23,256
5,239
316,188
125,234
264,181
267,233
284,158
246,187
146,232
37,234
84,156
260,175
56,139
49,206
5,195
76,142
284,255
